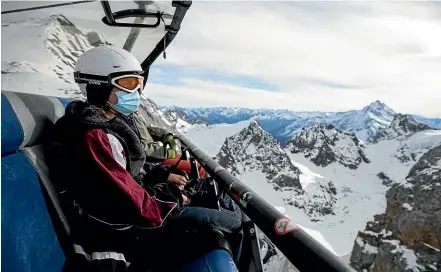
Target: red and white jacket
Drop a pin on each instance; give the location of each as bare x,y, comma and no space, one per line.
97,171
105,162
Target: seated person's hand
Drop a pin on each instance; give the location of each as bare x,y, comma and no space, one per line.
186,199
177,179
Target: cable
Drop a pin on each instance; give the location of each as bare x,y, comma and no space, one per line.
47,6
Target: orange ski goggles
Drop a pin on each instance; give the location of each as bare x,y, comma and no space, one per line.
128,82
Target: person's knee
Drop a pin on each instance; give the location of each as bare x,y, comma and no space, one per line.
213,261
221,242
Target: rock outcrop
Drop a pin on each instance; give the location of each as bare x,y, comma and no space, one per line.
324,145
407,237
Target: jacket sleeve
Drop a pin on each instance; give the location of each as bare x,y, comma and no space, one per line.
113,186
157,133
156,173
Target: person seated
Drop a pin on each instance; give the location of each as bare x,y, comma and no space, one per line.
160,145
102,159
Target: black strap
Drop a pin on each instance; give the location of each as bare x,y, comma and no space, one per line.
91,79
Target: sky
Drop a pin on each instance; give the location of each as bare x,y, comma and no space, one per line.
303,56
328,56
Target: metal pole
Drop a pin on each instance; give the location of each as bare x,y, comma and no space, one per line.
304,252
134,32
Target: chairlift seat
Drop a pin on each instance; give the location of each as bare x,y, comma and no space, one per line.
29,239
35,230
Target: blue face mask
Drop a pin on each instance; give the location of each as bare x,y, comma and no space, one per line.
128,103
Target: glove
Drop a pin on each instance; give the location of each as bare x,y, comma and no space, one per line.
171,154
169,140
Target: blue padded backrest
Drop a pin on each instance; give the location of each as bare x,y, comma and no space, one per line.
12,133
27,118
29,242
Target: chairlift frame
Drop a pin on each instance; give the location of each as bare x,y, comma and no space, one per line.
111,17
172,30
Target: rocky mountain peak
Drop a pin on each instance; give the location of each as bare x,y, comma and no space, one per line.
378,105
324,144
254,150
407,237
379,108
401,127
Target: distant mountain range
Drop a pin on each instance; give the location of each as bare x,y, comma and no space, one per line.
285,124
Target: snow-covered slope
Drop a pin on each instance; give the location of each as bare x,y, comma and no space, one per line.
324,144
284,124
210,138
359,192
42,56
181,121
407,236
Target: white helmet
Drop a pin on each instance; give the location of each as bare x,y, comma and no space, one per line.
104,65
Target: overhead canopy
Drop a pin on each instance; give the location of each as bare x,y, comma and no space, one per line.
41,40
88,16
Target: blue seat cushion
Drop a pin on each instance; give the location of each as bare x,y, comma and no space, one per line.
12,132
29,242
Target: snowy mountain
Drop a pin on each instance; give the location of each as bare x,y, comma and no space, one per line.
361,190
181,121
46,69
284,124
324,144
254,149
407,236
156,117
431,122
401,127
254,152
354,195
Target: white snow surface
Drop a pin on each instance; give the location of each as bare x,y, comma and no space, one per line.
410,258
366,247
211,138
407,206
42,56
